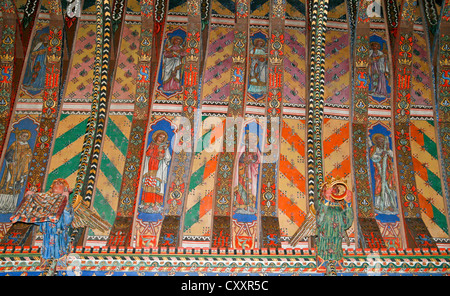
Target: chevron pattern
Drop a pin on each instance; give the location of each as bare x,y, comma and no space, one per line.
337,68
218,65
80,82
102,102
422,91
178,6
338,9
336,148
316,98
126,70
295,70
296,8
424,150
134,6
292,182
223,7
112,165
260,8
200,197
67,146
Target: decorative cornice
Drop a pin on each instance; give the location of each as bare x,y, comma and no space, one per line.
283,261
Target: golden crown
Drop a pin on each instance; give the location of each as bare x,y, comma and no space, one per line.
444,62
6,58
361,64
405,61
53,58
238,59
276,60
192,58
145,58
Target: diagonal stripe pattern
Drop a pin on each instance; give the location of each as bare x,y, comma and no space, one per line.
422,92
295,68
336,148
337,68
112,165
292,182
67,146
424,151
200,196
218,65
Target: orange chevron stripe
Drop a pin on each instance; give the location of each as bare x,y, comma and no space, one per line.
290,209
416,135
217,132
336,139
210,167
206,204
342,170
293,139
426,206
420,169
292,174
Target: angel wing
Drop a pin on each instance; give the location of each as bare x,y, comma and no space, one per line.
308,228
309,225
84,216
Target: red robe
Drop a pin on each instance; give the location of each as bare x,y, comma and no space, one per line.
151,182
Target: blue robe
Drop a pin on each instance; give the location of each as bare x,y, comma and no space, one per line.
56,235
34,79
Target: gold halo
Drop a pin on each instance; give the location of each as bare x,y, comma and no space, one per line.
377,135
256,39
176,37
342,196
247,136
374,42
336,181
156,133
24,131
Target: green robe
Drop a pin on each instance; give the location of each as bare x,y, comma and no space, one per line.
332,222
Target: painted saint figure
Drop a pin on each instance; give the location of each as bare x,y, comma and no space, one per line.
17,160
172,68
34,79
258,67
156,165
378,71
334,215
246,177
53,213
382,158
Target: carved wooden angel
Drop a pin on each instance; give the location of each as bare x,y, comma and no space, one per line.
54,215
331,192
